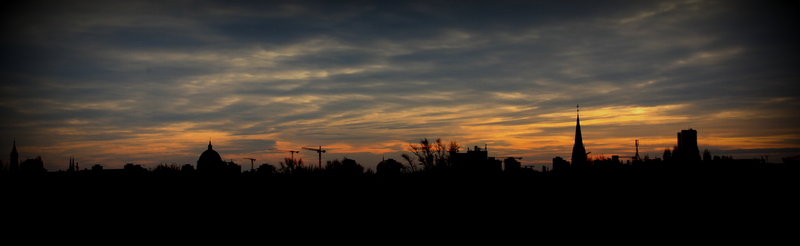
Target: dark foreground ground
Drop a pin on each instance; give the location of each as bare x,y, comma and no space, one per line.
666,204
636,188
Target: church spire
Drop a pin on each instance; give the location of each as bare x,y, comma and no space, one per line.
578,150
209,143
14,158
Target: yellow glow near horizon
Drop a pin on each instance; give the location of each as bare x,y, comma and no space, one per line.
532,136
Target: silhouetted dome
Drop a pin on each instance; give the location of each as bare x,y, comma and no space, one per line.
210,155
210,160
389,167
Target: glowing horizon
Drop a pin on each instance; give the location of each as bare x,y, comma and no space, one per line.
149,82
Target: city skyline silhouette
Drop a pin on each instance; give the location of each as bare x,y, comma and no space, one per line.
436,157
149,83
578,151
372,121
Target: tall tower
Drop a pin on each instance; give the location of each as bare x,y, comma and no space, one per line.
687,146
14,165
578,151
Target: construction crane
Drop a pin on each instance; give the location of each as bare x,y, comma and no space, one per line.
636,156
292,151
251,163
319,151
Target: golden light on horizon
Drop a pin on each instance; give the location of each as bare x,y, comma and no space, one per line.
116,82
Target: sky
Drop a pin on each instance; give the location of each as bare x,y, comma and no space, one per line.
151,82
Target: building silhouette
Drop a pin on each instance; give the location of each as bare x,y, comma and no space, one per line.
32,165
512,165
13,165
578,150
687,146
211,162
73,166
559,164
475,160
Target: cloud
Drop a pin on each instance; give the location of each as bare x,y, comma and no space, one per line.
366,78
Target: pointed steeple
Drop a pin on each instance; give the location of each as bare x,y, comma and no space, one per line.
14,158
209,144
578,150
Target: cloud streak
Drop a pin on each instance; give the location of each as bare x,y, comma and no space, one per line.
150,82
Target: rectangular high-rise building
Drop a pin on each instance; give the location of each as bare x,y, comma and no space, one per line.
687,145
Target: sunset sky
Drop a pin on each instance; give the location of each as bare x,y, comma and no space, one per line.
149,82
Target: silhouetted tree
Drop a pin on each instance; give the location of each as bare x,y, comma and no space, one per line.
266,169
667,155
290,166
35,165
432,155
453,147
390,167
167,168
412,166
187,168
345,166
131,168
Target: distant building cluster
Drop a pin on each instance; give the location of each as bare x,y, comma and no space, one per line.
686,152
29,165
475,160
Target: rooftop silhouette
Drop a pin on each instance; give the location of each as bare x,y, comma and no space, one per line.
431,159
435,178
